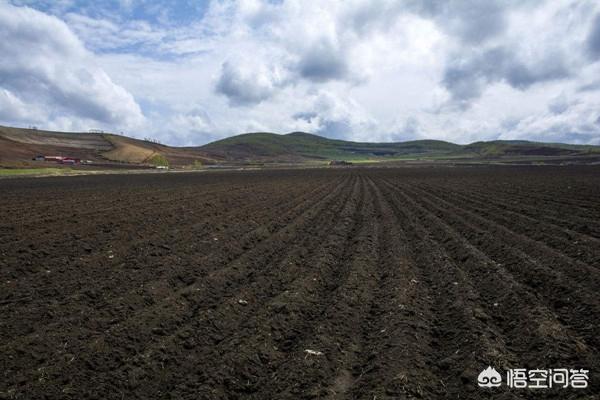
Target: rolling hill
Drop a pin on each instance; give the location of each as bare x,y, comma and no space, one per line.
18,146
305,146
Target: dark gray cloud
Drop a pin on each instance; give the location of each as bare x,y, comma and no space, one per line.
589,87
593,39
323,61
305,116
467,76
559,105
74,94
472,21
370,16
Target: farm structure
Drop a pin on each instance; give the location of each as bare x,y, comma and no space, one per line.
58,159
340,162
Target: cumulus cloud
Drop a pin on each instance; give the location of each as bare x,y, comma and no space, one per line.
334,117
307,116
246,84
45,65
472,21
467,76
188,127
375,70
323,60
575,125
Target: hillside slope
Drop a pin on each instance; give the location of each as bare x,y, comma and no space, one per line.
130,150
526,148
305,146
18,146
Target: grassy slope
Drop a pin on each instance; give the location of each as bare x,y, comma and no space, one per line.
300,145
18,145
74,140
526,148
33,171
128,150
304,146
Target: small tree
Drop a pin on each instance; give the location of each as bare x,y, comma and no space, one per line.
197,164
159,160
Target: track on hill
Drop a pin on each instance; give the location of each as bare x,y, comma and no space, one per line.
405,282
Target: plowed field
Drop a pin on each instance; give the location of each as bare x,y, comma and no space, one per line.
402,283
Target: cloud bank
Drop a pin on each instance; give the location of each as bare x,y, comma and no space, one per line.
47,74
375,70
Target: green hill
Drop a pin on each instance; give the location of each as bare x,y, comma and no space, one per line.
302,147
526,148
305,146
18,146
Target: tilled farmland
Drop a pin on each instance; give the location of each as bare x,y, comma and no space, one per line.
301,284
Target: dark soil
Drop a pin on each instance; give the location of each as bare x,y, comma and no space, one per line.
408,282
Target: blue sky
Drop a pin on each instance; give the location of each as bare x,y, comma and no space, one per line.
154,12
189,72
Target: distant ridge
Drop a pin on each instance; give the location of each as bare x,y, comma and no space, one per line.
19,145
307,146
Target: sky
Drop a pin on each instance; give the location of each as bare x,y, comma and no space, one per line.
189,72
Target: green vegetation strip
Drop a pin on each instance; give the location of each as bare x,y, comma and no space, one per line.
34,171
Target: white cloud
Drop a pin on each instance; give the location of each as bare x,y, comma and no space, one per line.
330,115
12,108
45,65
374,70
248,83
102,34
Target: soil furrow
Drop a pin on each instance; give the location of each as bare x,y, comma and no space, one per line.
462,337
233,238
558,295
310,307
573,244
587,227
388,362
532,329
107,306
357,282
182,304
210,332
